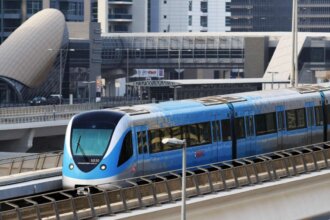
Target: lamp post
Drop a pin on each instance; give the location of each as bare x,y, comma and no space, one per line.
183,143
60,81
89,89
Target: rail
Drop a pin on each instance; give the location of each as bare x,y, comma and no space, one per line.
125,195
54,112
30,163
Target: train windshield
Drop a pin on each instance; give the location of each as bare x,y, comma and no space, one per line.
91,134
92,140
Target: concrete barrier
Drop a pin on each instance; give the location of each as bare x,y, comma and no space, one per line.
293,198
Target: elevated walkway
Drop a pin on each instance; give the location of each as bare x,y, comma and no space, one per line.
20,125
288,184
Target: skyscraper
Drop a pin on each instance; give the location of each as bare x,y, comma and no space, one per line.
14,12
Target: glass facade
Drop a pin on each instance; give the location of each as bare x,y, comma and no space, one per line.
256,15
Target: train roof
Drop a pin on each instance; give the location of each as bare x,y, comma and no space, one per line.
219,100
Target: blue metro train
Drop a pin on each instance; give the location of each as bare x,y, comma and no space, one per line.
106,145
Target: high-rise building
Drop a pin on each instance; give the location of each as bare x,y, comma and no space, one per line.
188,16
257,15
14,12
122,15
314,16
118,16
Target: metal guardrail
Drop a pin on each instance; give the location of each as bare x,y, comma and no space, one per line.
88,202
30,163
55,112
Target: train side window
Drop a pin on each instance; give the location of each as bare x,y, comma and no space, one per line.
239,128
194,136
291,119
249,126
226,130
167,133
126,151
142,141
296,119
177,132
301,118
318,115
205,133
216,131
154,141
265,123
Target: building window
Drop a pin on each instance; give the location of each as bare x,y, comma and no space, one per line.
204,21
190,5
190,20
165,16
204,7
216,74
34,6
165,2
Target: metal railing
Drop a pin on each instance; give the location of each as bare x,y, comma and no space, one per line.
88,202
55,112
30,163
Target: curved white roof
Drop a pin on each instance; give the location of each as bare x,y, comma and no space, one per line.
24,56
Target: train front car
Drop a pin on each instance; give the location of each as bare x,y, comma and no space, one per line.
95,151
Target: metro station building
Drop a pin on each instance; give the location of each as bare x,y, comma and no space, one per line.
45,50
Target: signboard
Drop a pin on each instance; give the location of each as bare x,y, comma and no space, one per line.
149,73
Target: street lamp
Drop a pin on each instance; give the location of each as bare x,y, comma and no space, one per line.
183,143
89,87
60,81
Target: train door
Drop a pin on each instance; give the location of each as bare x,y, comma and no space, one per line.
216,138
280,127
141,140
250,135
310,121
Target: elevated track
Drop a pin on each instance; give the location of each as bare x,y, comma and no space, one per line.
158,191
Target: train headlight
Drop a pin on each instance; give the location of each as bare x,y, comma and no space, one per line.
71,166
103,167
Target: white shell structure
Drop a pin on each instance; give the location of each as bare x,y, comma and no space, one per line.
25,55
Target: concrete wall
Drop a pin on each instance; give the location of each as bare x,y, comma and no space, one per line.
256,56
79,30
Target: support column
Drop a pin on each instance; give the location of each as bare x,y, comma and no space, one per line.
45,4
102,15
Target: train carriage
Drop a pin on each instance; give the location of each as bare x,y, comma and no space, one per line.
107,145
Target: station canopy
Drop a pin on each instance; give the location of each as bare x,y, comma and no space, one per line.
185,82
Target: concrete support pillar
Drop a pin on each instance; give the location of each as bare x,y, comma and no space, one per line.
102,15
21,144
45,4
24,10
87,10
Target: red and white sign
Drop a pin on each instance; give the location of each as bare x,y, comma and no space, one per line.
148,73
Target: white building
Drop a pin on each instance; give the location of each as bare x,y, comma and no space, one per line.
162,15
124,16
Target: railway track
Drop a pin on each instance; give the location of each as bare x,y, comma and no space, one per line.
92,201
